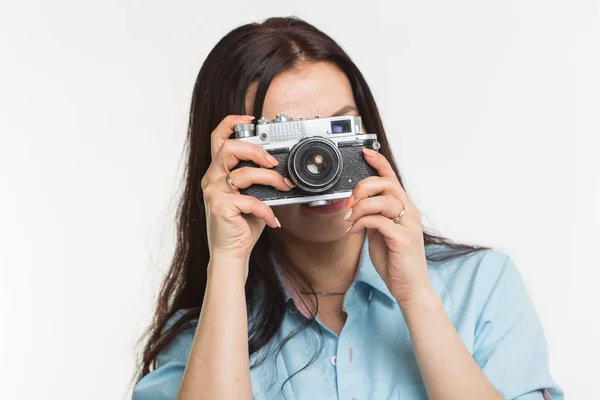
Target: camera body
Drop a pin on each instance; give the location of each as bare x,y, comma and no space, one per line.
322,156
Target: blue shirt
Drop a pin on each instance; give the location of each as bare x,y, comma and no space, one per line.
372,358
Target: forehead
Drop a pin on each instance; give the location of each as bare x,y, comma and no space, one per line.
308,90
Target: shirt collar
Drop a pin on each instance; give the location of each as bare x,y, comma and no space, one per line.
366,273
288,289
369,275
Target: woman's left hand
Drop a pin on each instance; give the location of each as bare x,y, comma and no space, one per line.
397,250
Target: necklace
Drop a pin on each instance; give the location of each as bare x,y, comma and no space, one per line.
325,293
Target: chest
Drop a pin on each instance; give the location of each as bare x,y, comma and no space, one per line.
370,358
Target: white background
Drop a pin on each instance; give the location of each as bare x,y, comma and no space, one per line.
492,109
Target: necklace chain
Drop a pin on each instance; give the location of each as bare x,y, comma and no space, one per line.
325,293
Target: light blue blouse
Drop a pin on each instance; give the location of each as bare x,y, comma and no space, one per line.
372,359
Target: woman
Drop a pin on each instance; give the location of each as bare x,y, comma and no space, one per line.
351,300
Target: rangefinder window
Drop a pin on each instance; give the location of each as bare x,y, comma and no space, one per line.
341,126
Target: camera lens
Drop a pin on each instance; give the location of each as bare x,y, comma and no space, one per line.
315,164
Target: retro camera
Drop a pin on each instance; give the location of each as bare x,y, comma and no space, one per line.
322,156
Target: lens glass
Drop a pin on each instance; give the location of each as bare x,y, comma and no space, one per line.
315,164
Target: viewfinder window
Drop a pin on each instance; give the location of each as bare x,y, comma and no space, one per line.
341,126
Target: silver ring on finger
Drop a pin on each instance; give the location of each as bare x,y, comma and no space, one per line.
231,184
397,219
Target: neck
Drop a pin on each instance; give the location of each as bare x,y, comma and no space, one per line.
328,267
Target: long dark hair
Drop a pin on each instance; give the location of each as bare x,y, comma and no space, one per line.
250,53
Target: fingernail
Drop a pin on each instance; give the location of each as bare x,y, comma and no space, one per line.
369,152
272,160
250,117
348,229
348,215
350,202
289,183
278,223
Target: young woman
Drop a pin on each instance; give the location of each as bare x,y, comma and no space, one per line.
352,300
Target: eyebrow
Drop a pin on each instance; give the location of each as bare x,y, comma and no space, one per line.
344,110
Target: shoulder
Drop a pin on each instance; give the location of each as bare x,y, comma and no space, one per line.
179,347
163,382
479,277
177,316
483,264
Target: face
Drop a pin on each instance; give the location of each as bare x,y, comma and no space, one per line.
310,89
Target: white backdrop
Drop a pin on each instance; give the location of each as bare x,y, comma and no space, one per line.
492,108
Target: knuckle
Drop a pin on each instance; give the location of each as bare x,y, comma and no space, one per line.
357,210
368,221
254,147
227,146
261,150
250,175
257,206
241,171
390,202
204,183
359,189
220,126
265,211
248,171
372,180
268,176
268,210
226,121
255,150
217,207
208,194
361,186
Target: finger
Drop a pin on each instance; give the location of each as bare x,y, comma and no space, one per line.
387,206
373,186
380,163
252,205
234,151
224,130
384,169
247,176
384,225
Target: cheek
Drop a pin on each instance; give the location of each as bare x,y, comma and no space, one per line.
285,212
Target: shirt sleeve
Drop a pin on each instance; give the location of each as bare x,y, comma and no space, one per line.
510,346
164,381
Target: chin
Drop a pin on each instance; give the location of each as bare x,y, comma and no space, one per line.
310,226
328,236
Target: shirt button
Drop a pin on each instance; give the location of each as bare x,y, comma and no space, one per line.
333,360
370,295
293,310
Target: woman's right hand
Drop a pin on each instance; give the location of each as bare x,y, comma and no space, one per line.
234,222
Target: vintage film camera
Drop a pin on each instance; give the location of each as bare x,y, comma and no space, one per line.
322,156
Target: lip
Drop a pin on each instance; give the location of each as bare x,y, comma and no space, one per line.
334,207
